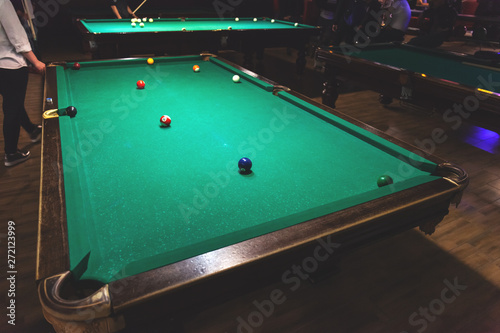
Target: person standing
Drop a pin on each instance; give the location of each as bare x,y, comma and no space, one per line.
398,19
121,9
15,51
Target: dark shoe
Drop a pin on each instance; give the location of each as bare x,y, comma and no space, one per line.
16,158
36,135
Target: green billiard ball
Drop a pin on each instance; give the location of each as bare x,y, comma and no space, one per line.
384,180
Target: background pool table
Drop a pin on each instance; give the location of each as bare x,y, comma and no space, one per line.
117,38
144,215
426,77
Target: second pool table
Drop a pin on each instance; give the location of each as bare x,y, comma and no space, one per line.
138,221
427,77
179,36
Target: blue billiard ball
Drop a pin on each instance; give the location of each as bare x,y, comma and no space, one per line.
245,165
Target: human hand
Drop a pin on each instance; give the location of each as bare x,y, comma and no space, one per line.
39,67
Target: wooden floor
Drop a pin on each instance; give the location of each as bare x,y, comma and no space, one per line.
401,284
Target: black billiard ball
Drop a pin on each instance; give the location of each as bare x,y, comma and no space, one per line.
71,111
384,180
245,165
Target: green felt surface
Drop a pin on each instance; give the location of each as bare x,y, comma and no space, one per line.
194,24
139,196
452,68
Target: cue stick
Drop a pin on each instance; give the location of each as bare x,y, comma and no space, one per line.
481,66
139,6
30,22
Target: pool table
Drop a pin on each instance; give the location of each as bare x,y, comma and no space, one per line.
141,221
426,77
112,38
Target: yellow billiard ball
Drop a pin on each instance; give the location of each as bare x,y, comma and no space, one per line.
151,61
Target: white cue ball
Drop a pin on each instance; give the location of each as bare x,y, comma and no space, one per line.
272,21
150,20
255,19
296,24
133,24
236,19
142,25
236,78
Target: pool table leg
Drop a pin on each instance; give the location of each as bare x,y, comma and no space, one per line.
301,60
330,91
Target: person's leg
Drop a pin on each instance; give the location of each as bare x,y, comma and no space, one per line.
18,95
13,89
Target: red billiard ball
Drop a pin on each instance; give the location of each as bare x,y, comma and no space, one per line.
141,84
76,65
196,68
165,121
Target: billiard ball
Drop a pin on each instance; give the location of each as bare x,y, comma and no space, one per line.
165,121
141,84
229,28
71,111
255,19
150,20
272,21
236,19
196,68
144,19
133,24
132,20
384,180
76,66
236,78
141,25
151,61
296,24
183,29
245,165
